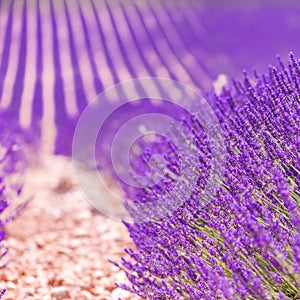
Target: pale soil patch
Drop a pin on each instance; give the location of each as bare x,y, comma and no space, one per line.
59,248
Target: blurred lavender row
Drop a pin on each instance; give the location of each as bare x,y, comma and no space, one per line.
56,56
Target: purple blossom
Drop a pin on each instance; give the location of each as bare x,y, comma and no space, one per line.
244,243
2,292
13,163
57,56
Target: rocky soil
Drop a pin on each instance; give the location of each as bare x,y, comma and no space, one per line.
59,246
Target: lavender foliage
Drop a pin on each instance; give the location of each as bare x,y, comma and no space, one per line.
13,163
245,244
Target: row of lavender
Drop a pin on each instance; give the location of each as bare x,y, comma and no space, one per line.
245,244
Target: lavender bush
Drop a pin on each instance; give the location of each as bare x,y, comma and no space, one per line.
245,244
13,163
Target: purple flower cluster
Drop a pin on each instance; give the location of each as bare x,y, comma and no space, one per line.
12,165
245,244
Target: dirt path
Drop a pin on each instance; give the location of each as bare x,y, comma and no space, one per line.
59,248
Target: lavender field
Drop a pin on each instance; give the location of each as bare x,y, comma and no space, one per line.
149,149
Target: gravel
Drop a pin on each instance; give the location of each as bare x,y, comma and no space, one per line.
59,247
